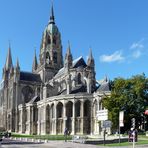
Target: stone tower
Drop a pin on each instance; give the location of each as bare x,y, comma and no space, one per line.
91,73
50,58
68,58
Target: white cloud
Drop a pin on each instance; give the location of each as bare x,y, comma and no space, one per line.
136,54
137,45
115,57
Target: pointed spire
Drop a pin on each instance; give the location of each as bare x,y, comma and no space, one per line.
52,21
90,61
68,49
90,54
35,63
68,57
17,64
8,63
106,78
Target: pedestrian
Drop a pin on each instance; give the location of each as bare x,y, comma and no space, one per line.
65,134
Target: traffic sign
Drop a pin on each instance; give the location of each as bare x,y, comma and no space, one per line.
121,118
102,115
107,124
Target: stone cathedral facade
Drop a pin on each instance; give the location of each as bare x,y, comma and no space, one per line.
59,93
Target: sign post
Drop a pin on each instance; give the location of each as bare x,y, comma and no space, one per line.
106,124
102,115
121,123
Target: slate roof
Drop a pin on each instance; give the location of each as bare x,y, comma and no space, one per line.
63,92
34,99
28,76
77,89
60,72
79,62
105,86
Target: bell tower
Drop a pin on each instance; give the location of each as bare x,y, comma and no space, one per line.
50,58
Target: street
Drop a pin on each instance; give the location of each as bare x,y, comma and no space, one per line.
8,143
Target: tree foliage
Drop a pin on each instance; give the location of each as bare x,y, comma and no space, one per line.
130,95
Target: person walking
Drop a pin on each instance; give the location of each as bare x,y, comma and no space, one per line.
65,134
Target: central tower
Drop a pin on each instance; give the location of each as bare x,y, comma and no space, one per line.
50,58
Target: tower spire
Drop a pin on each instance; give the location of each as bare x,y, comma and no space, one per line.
90,54
35,63
52,21
68,57
17,64
90,61
8,63
68,49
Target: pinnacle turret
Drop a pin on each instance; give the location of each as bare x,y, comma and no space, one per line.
68,57
8,63
68,53
90,61
35,63
17,64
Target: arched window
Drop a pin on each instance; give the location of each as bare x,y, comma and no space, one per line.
69,107
54,40
59,110
35,114
77,108
55,57
48,40
38,91
79,78
47,112
52,111
27,93
86,108
47,58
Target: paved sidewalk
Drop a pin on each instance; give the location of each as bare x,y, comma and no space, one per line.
26,143
62,144
56,144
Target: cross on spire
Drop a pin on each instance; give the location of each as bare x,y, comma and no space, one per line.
52,20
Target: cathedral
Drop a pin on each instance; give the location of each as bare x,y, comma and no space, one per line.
59,93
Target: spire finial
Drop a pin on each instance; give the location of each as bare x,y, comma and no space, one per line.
9,64
68,49
106,78
90,53
17,63
9,44
52,14
35,63
90,60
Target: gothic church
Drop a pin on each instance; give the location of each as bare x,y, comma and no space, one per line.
58,93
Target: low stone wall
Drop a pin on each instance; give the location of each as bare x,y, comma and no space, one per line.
106,141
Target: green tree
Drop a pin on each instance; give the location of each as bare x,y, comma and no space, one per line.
130,95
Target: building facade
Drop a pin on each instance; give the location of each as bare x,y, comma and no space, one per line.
58,93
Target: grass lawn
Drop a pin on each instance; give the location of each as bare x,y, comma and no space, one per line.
48,137
140,142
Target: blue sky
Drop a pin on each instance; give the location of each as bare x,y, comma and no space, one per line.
116,30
